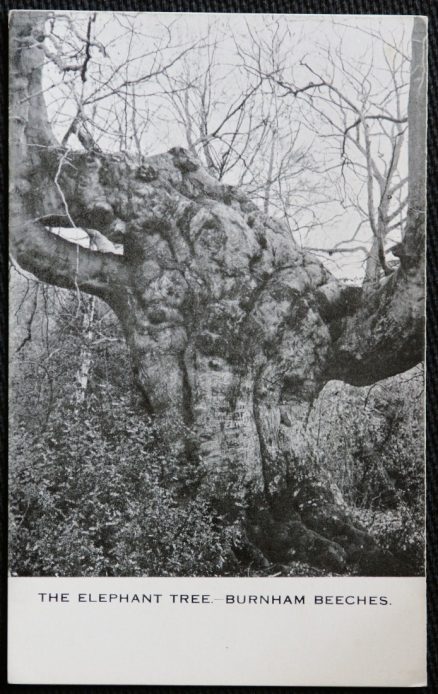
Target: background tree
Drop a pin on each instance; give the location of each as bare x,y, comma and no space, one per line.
351,100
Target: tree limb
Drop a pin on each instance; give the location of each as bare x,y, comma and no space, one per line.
57,261
385,335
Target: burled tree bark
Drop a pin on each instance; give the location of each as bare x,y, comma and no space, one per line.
231,328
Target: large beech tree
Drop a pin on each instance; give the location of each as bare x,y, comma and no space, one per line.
231,329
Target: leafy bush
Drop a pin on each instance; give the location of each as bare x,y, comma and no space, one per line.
100,493
401,532
370,441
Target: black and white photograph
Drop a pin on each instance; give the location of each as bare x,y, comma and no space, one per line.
216,295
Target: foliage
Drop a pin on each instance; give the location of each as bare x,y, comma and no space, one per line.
401,532
100,493
370,442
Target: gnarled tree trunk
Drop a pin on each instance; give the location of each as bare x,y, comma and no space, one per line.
231,328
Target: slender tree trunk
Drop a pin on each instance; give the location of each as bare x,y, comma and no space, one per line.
268,185
85,356
417,117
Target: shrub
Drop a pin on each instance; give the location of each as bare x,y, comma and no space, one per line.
100,493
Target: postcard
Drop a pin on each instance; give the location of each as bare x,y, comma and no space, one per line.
217,228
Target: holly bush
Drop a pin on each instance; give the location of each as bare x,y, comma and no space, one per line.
102,493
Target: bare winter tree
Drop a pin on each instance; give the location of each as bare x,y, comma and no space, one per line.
355,106
230,327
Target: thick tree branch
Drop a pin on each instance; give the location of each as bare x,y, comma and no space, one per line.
56,261
385,335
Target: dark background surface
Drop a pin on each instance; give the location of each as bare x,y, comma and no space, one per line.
418,7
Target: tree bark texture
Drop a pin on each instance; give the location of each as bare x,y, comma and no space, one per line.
231,327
